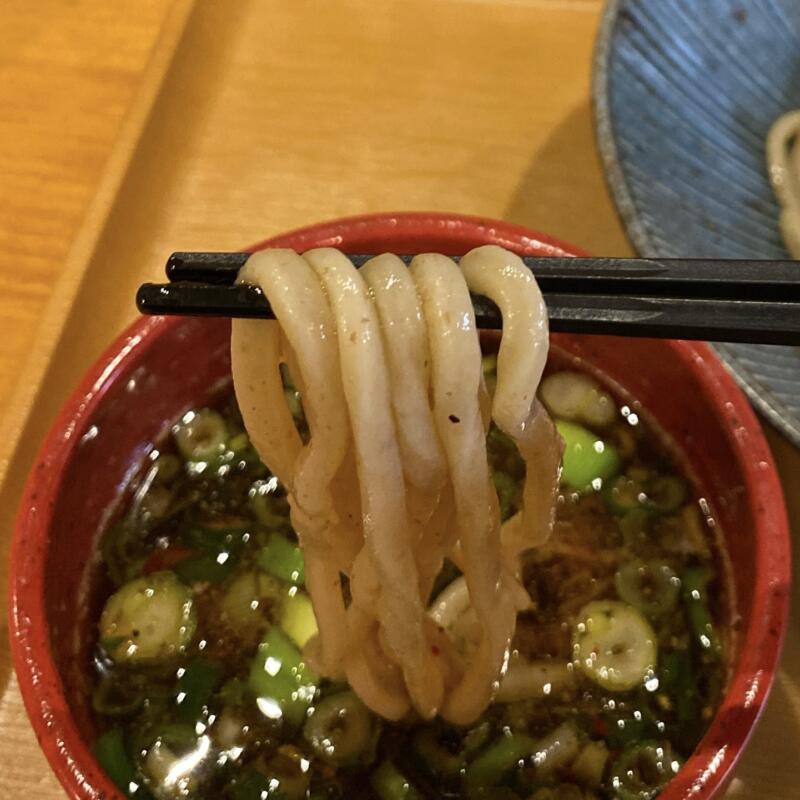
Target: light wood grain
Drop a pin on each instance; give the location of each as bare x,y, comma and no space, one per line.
68,72
70,75
277,115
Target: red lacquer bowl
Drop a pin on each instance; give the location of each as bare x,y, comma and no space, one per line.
159,367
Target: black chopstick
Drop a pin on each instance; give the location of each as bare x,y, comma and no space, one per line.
733,301
720,279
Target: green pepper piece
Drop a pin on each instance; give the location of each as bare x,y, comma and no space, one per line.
695,598
491,766
284,686
111,753
283,559
195,687
587,457
390,784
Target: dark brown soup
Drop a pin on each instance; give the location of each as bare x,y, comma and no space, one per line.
201,690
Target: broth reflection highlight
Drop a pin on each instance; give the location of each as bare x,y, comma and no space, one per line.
616,668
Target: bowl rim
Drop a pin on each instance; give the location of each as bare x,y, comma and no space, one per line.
40,684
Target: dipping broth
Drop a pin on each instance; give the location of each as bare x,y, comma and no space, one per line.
201,691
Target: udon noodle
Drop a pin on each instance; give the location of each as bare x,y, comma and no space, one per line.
783,159
393,477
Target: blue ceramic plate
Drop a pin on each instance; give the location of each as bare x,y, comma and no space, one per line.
685,92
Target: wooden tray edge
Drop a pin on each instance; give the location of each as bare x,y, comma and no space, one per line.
57,309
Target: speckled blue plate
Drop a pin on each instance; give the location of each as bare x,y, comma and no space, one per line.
684,93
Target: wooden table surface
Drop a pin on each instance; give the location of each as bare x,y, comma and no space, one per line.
69,71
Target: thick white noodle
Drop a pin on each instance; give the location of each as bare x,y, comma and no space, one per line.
394,475
503,277
365,377
305,318
456,366
405,342
259,393
783,161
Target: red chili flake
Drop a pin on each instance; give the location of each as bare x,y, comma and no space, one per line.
166,559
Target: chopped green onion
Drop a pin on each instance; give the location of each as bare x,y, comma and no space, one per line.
297,618
195,687
201,436
590,764
441,751
390,784
508,492
248,597
283,559
695,598
288,775
284,686
614,645
676,676
116,699
643,770
634,527
240,443
111,753
651,586
666,493
623,495
587,458
564,791
150,618
206,568
250,784
168,467
491,766
123,551
270,509
233,692
576,397
340,730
